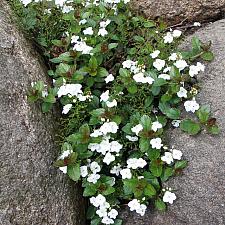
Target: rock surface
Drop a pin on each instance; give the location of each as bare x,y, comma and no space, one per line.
32,192
175,11
201,189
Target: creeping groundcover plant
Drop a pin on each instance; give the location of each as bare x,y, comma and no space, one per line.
121,82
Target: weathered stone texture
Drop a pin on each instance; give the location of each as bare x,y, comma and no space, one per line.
32,192
201,189
174,11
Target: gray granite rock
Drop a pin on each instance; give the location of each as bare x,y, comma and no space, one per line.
201,189
32,191
175,11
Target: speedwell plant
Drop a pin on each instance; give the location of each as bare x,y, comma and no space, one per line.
122,83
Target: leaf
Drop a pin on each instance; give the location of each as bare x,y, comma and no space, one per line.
113,45
91,212
96,221
153,154
146,122
46,107
90,190
50,98
63,68
181,164
123,72
203,113
159,82
127,129
190,127
132,89
139,39
207,56
118,222
167,173
144,144
173,113
102,72
93,63
213,129
160,205
73,171
108,191
149,24
148,101
149,190
196,44
156,168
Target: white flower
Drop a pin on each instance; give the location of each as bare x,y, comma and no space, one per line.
98,200
126,173
139,78
95,168
96,133
109,78
164,76
182,93
113,214
197,24
82,22
116,170
168,158
102,212
66,108
104,24
173,57
63,169
136,163
104,96
176,123
115,146
102,32
181,64
88,31
169,197
159,64
109,127
93,178
167,69
200,66
134,205
191,106
168,38
65,154
155,54
67,9
136,129
194,70
70,89
176,33
81,46
107,220
111,104
26,2
177,154
156,125
130,138
141,210
83,171
108,158
128,63
156,143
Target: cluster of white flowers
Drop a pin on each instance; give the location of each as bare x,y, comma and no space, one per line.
116,169
104,211
194,70
191,106
102,31
105,98
170,156
171,35
92,177
135,163
81,45
138,71
135,205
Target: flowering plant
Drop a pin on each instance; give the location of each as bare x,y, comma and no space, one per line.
121,81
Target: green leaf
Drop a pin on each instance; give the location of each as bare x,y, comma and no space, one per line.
159,82
149,190
93,63
160,205
46,107
118,222
167,173
108,191
73,172
63,68
102,72
148,101
50,98
156,168
207,56
190,127
96,221
139,39
91,212
90,190
149,24
144,144
132,89
196,44
123,72
146,122
153,154
113,45
213,129
173,113
203,113
181,164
